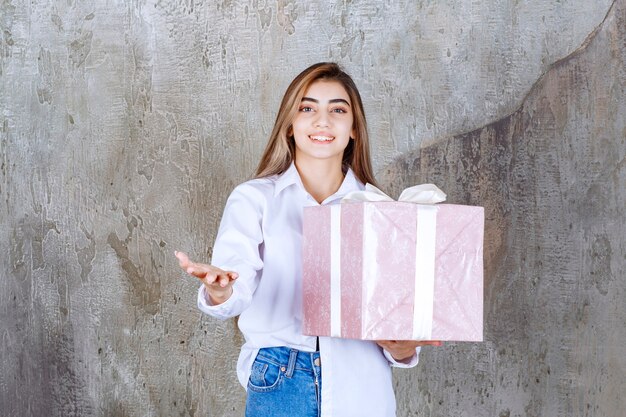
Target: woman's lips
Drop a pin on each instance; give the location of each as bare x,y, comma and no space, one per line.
321,138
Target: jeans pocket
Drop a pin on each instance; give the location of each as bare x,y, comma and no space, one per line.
265,376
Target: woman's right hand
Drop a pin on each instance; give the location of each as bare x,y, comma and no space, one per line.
217,282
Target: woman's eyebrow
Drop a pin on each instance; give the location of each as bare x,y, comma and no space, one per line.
334,100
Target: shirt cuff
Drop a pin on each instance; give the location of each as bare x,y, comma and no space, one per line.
220,311
407,363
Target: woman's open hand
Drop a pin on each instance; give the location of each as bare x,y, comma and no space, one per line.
217,282
402,350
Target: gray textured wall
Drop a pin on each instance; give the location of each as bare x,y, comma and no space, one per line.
124,126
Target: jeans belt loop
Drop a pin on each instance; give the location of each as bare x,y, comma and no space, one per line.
293,355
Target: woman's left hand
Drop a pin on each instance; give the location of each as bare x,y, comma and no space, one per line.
401,350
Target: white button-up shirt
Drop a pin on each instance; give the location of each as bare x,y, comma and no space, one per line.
260,238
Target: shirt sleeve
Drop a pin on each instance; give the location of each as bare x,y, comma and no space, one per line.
407,364
238,248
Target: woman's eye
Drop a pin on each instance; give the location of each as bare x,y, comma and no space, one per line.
339,110
306,109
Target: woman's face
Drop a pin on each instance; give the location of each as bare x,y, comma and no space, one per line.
324,122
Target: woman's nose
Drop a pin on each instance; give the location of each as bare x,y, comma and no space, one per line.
322,120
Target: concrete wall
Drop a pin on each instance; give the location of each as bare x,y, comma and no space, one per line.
124,126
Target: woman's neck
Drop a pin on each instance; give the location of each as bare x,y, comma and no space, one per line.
321,178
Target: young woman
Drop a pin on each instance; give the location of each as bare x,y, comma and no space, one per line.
317,153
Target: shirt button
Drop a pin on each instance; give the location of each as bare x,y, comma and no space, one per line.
316,362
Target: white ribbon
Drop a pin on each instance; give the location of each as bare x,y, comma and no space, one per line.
426,194
424,272
419,194
335,270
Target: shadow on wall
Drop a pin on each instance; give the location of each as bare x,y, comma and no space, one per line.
552,179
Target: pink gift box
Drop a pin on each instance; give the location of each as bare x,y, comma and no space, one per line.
393,271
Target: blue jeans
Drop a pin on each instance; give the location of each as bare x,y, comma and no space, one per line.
285,382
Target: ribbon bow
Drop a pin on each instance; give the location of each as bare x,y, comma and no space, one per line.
419,194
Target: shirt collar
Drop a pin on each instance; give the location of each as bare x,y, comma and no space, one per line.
287,178
292,177
350,183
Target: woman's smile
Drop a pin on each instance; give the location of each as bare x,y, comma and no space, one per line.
321,138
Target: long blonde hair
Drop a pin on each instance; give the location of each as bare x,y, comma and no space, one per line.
280,150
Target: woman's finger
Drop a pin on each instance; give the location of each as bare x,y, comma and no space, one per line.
202,271
192,268
392,344
209,274
183,259
223,280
